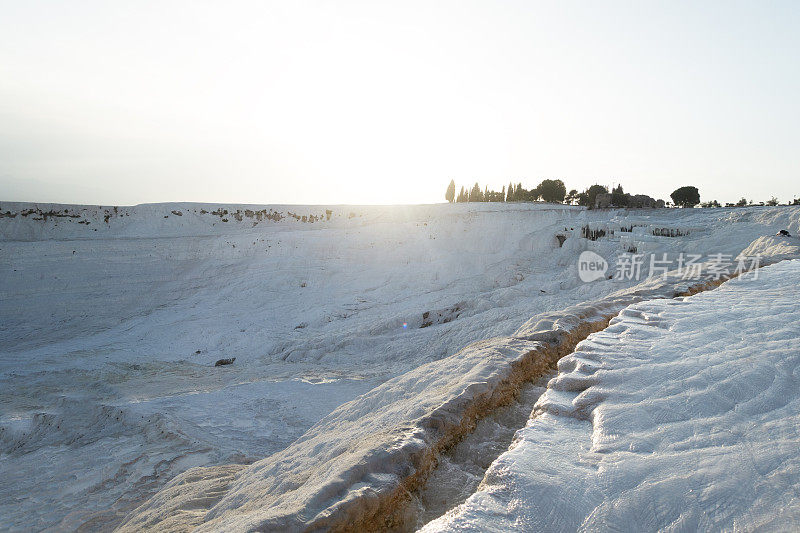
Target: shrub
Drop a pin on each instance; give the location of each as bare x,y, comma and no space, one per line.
687,196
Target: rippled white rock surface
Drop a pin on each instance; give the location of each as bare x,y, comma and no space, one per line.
683,415
111,320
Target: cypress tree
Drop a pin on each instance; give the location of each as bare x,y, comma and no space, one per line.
449,195
475,193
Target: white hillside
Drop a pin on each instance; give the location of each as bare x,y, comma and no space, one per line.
682,415
358,466
108,337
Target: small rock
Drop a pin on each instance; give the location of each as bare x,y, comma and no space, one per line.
222,362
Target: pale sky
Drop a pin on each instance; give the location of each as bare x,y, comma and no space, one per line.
108,102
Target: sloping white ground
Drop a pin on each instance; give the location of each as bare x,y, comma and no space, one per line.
101,324
356,458
682,415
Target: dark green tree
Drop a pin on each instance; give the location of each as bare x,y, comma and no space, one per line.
687,196
552,191
519,193
618,197
591,195
572,195
510,193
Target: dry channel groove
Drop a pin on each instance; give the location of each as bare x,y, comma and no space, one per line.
414,503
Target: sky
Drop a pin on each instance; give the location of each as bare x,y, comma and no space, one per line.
120,103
